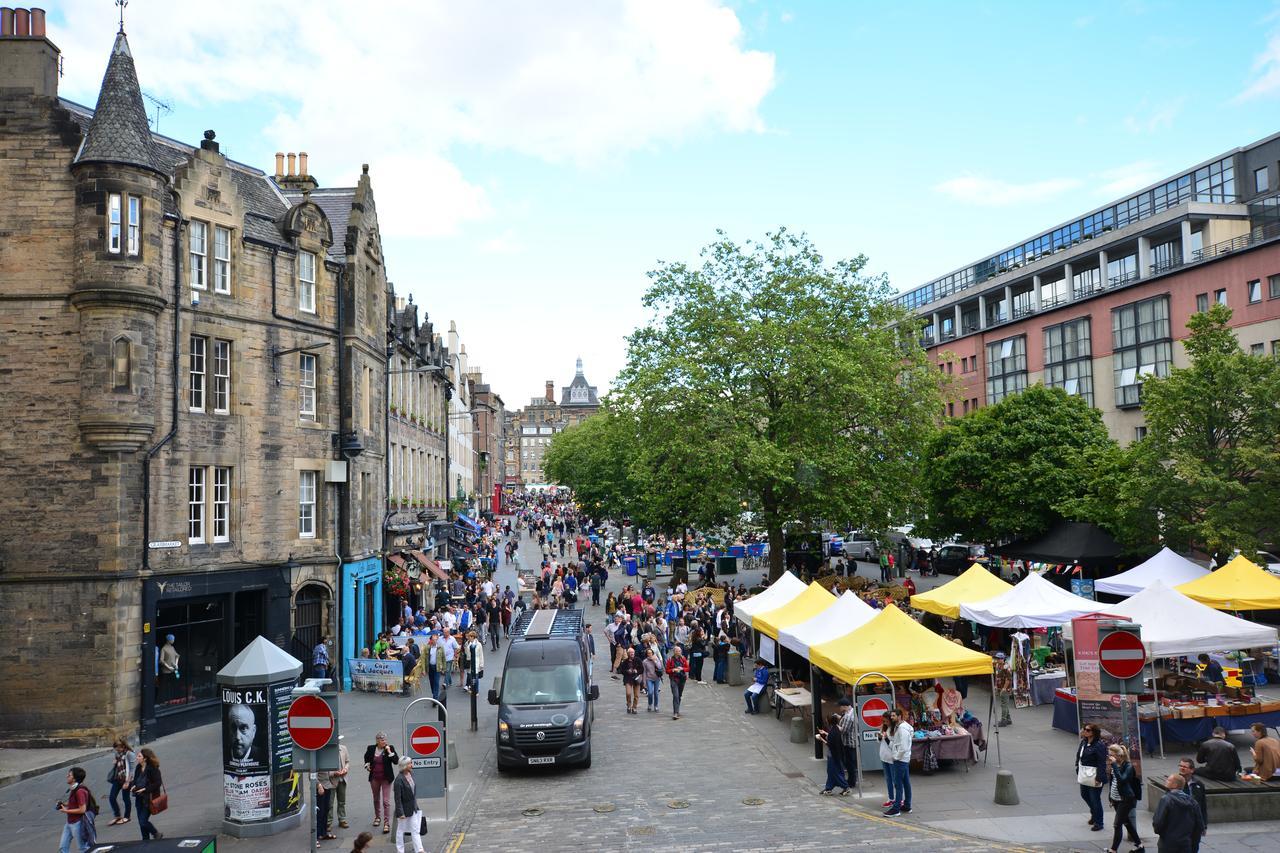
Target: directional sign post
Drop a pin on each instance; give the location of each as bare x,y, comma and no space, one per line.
426,740
427,745
873,711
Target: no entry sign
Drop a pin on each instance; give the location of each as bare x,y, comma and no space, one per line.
425,740
310,722
1121,655
873,712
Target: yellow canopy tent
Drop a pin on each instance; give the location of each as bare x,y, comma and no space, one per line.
898,647
804,606
975,584
1239,585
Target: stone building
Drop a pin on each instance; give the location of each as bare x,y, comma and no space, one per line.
194,358
488,420
535,425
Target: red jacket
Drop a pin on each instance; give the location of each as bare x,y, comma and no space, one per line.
678,667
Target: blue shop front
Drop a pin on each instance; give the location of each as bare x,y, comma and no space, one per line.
361,592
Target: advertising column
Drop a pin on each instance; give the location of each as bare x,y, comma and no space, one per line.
246,755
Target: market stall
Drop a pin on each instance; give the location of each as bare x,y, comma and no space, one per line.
975,584
809,603
781,591
1239,585
846,613
1166,566
1033,603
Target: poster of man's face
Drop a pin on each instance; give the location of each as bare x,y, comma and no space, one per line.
244,733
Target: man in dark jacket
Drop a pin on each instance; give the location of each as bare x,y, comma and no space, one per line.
1178,820
1187,770
1218,758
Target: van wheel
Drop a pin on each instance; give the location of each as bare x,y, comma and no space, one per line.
502,768
586,762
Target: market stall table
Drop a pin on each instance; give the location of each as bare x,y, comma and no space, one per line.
1044,685
946,748
793,698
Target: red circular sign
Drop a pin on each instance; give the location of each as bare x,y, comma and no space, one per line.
1121,655
873,712
310,722
425,740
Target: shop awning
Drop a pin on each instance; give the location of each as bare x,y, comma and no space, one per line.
898,647
430,565
813,600
1166,566
397,560
779,593
1033,603
468,523
1173,624
1239,585
848,613
974,584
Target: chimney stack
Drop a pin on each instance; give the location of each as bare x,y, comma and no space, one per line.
296,177
302,164
279,165
28,60
551,391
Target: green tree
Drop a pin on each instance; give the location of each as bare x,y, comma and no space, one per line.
594,459
1000,472
772,382
1215,428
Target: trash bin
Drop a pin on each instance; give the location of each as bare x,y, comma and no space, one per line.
629,563
734,668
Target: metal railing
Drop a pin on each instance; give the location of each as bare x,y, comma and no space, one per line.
1166,266
1260,234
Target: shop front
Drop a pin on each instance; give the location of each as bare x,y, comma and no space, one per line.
193,625
361,594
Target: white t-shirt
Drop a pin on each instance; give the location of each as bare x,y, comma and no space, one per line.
487,586
450,649
449,619
682,587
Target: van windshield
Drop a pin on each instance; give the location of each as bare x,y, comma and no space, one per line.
542,684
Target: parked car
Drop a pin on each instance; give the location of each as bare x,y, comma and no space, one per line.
954,558
859,545
1268,561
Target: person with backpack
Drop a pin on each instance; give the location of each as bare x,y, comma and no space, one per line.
80,809
118,778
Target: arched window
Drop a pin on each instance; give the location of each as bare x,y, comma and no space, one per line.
121,365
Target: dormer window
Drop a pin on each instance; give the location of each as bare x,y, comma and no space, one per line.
124,223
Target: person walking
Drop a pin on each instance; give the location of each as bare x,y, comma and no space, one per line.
473,661
78,806
677,675
631,671
338,777
380,760
760,678
697,653
320,658
833,740
652,677
720,658
901,734
147,786
1004,688
1124,792
1091,772
1177,821
408,815
324,798
118,777
1196,790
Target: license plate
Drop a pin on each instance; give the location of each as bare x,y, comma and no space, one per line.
550,759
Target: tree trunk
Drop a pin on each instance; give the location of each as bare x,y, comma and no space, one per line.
776,550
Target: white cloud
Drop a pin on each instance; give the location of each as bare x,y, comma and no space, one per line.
1266,72
1153,119
505,243
405,86
1129,177
993,192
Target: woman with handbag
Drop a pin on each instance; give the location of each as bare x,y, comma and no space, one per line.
409,818
1124,791
118,777
380,760
1091,772
150,797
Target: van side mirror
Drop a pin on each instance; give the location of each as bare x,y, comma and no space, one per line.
493,696
593,692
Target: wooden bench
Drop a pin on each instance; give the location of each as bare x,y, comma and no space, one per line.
1228,802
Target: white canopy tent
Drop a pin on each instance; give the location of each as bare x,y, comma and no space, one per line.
1033,603
1173,624
1166,566
846,615
778,594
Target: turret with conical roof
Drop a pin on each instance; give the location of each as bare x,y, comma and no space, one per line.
119,254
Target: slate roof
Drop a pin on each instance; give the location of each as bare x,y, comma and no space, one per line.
336,204
579,382
119,132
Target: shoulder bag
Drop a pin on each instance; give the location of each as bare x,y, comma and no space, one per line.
160,802
1087,775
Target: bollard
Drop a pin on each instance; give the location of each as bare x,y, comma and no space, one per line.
453,756
1006,788
799,731
733,669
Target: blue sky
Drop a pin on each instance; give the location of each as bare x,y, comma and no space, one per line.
533,161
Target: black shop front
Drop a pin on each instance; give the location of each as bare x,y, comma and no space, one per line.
205,619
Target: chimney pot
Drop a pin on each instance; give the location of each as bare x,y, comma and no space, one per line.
21,22
279,164
6,21
302,164
551,391
291,164
37,22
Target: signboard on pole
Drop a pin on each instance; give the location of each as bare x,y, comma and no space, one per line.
310,722
427,745
1121,659
872,711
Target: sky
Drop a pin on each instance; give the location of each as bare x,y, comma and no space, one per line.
532,161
